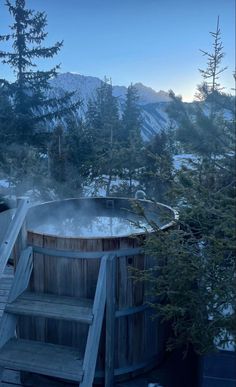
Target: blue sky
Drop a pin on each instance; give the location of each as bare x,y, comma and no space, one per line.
155,42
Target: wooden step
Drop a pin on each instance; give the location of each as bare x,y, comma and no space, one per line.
52,306
42,358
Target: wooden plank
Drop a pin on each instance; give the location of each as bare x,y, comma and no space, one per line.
8,322
35,328
4,292
21,241
9,270
52,306
3,301
4,282
85,254
94,334
21,279
42,358
5,219
12,234
23,273
6,285
11,377
7,328
122,302
110,321
53,298
6,279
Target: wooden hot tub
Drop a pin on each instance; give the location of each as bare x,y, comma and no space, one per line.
67,264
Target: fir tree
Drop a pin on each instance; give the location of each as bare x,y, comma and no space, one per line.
57,155
157,171
6,117
130,137
28,91
79,148
214,69
103,124
194,276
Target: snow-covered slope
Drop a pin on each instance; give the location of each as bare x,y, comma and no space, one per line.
152,103
148,95
155,119
84,86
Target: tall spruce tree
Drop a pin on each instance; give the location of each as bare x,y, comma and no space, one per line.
6,116
194,276
28,91
211,74
157,172
103,124
130,137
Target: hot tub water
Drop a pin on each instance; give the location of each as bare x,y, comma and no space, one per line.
92,226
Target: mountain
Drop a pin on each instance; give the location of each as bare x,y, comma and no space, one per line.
152,103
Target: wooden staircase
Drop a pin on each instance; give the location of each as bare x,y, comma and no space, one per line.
52,306
48,359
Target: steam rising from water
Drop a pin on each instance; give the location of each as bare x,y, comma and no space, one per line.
92,226
93,218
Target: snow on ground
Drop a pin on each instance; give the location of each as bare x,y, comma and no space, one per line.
4,183
95,188
98,186
184,160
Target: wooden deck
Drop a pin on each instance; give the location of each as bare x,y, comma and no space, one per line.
5,285
10,378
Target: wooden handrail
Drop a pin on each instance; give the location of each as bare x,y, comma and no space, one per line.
110,320
12,233
91,351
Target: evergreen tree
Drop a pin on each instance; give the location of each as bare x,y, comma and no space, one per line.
194,276
79,148
130,137
28,91
24,168
57,155
103,124
69,156
211,86
6,117
157,171
202,127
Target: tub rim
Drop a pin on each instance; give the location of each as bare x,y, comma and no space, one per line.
127,235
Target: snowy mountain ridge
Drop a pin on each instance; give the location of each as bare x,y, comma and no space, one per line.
153,104
87,85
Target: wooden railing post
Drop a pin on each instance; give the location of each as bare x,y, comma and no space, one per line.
91,351
21,242
12,233
110,320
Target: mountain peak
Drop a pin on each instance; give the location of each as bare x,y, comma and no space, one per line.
86,86
153,109
149,95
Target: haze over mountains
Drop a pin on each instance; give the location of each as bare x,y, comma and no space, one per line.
153,104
